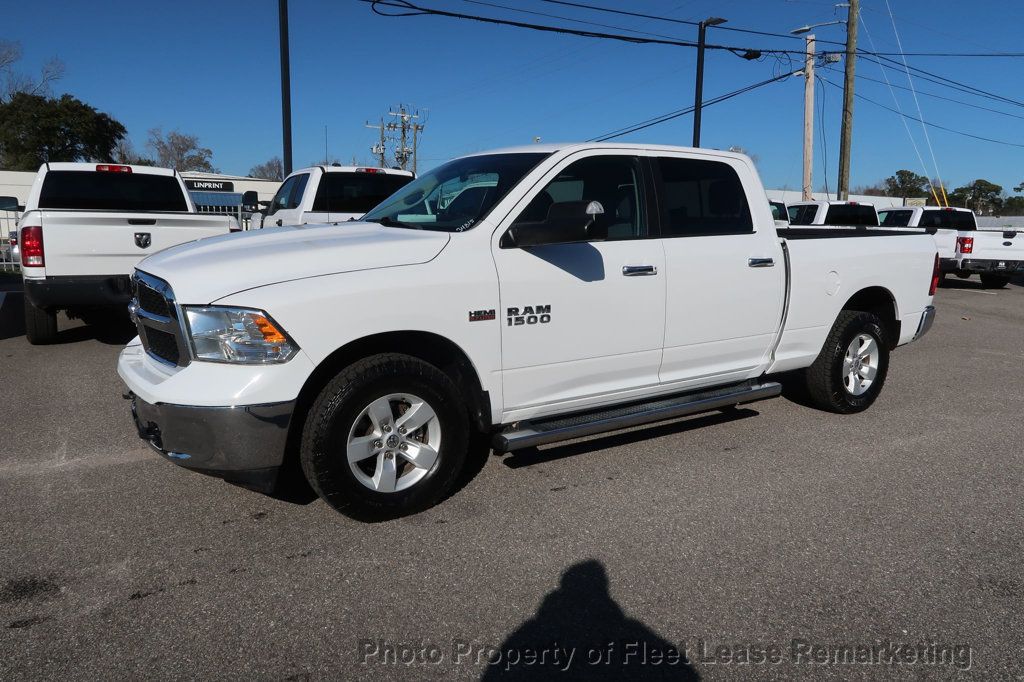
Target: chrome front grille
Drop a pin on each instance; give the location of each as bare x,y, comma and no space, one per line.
156,317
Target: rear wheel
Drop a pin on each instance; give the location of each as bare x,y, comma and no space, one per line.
990,281
40,324
387,437
850,370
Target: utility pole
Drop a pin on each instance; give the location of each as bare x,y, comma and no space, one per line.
417,128
846,134
808,187
380,149
403,125
698,91
286,87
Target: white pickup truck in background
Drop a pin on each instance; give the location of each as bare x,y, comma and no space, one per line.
330,194
948,223
964,249
833,213
84,228
585,288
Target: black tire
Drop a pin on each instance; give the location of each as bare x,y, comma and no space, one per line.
825,377
990,281
335,412
40,324
963,275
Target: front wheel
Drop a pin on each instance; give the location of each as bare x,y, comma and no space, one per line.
386,437
990,281
850,370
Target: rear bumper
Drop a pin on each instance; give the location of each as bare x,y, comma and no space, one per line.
991,265
79,290
243,444
947,264
927,318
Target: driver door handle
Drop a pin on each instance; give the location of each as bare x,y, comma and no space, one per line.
279,223
761,262
638,270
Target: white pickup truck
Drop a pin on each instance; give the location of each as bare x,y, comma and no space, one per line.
330,194
964,249
586,288
948,223
84,228
834,213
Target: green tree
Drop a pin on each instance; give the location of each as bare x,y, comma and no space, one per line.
1019,188
981,195
906,183
36,129
1013,206
180,151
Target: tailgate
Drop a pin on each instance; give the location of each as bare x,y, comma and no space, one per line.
945,242
112,242
998,245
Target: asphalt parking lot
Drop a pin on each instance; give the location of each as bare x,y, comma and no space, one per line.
774,527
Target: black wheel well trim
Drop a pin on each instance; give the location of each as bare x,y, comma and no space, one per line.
433,348
879,301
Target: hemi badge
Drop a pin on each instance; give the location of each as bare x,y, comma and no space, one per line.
481,315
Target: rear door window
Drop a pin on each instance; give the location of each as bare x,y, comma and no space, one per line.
894,218
701,198
109,191
356,192
851,214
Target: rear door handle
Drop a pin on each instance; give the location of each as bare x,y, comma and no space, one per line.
639,270
279,223
761,262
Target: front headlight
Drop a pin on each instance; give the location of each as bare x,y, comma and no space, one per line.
237,335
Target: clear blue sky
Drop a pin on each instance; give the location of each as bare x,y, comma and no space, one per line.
211,69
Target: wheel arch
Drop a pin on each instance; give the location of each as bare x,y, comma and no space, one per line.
879,301
439,351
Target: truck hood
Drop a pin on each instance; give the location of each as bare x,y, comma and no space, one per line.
208,269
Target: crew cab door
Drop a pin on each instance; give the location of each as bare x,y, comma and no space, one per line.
581,321
725,271
286,206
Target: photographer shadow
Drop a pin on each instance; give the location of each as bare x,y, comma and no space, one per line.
581,615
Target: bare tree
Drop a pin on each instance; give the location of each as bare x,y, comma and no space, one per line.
271,169
180,151
124,152
13,81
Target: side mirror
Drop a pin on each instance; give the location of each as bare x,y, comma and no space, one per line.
567,222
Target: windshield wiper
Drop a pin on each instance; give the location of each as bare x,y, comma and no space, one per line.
386,221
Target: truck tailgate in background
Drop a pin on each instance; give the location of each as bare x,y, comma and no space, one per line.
112,242
997,245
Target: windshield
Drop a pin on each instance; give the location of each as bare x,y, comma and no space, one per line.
455,196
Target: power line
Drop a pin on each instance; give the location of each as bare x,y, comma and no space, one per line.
415,10
928,123
671,20
563,18
942,97
636,127
946,81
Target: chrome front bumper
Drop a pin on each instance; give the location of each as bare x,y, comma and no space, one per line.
927,318
243,444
